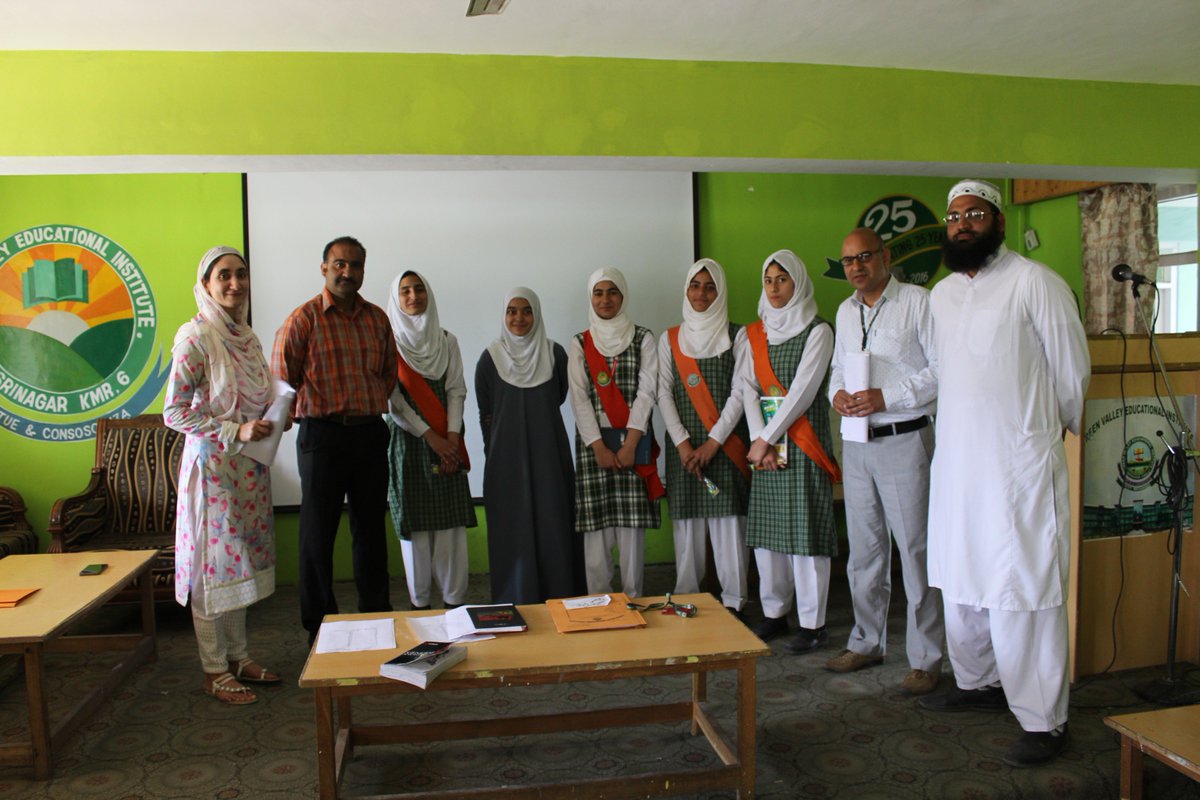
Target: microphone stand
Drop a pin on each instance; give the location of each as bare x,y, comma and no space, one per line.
1172,690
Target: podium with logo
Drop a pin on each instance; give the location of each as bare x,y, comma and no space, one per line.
1121,559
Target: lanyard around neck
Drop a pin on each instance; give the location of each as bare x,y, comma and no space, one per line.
862,321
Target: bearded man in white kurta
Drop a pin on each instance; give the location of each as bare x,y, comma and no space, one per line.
1013,368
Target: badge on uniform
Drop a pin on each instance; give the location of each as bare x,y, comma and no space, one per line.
693,380
602,378
775,391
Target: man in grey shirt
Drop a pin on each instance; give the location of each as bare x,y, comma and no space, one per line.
886,478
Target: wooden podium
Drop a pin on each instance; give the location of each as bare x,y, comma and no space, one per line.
1096,564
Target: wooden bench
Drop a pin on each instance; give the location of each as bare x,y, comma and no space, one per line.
129,503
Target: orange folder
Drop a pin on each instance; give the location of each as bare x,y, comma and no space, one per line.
10,597
595,618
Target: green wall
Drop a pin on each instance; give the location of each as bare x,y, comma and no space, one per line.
337,103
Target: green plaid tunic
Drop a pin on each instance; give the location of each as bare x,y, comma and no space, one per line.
605,499
791,510
420,499
687,495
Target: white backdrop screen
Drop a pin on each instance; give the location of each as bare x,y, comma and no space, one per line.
474,235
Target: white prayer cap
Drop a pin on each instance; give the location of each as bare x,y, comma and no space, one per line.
983,189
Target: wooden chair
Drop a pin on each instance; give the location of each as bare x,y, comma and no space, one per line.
16,536
129,504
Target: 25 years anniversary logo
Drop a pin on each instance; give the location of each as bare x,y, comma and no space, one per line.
78,328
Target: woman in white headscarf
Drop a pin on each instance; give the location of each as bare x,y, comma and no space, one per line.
428,493
520,386
613,372
224,529
784,381
707,471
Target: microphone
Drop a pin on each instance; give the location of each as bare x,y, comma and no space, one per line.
1123,272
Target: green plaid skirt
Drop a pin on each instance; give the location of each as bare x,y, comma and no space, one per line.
419,498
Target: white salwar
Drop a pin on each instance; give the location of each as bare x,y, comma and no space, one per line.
1013,369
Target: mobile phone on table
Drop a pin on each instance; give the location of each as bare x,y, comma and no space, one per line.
93,569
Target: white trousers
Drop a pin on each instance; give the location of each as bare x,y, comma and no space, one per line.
1025,651
436,556
221,638
782,576
728,536
598,559
886,483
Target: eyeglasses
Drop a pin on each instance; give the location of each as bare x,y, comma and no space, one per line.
862,258
668,606
974,215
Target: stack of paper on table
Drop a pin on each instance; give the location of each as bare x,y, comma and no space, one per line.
10,597
598,612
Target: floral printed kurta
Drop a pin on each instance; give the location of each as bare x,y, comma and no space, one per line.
224,527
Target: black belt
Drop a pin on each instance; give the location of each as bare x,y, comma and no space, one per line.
350,419
908,426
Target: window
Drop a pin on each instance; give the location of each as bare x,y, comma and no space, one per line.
1178,290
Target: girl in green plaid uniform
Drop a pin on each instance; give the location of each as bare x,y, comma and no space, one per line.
704,450
791,508
613,504
428,493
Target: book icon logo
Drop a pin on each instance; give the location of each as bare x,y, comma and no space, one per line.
78,327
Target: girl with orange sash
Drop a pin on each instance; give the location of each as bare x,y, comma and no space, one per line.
703,417
428,493
613,372
791,505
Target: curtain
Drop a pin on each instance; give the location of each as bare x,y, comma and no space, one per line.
1119,226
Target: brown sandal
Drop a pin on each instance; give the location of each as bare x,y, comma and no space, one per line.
226,689
260,673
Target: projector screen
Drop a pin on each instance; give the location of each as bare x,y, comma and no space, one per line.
473,235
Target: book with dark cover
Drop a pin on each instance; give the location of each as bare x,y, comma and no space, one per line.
614,439
496,619
421,673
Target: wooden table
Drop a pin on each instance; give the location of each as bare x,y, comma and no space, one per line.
1172,735
36,627
669,645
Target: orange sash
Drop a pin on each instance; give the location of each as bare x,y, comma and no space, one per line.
801,432
432,410
616,408
702,401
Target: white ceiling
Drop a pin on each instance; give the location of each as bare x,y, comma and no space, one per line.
1147,41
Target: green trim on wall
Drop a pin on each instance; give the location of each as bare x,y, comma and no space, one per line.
153,103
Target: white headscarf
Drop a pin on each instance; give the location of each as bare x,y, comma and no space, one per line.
238,379
611,336
523,361
419,338
784,323
705,334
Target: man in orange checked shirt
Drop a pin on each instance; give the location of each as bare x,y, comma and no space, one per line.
337,351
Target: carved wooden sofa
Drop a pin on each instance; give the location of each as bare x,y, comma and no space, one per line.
16,536
129,504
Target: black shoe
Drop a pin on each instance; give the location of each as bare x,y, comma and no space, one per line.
421,608
736,614
451,606
1036,748
807,640
956,699
770,627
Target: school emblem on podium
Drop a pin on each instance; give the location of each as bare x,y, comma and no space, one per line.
603,378
693,380
77,333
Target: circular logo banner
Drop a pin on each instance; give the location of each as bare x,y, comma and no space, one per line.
78,327
910,230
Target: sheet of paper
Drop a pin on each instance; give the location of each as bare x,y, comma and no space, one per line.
591,601
856,371
349,636
263,451
433,629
